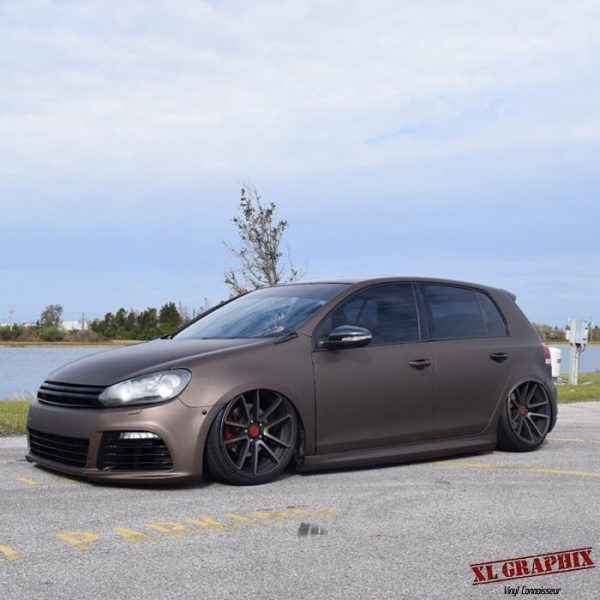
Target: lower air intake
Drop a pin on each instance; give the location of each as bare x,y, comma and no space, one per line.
126,454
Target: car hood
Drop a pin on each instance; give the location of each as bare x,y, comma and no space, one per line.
111,366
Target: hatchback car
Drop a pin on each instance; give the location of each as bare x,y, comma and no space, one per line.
321,375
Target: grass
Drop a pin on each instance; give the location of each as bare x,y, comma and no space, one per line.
13,413
587,389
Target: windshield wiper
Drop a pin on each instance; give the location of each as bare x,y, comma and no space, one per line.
285,338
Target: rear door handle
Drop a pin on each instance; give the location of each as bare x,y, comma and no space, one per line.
420,363
499,356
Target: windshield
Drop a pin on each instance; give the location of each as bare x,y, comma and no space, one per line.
270,312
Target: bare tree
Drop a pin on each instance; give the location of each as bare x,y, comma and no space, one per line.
260,254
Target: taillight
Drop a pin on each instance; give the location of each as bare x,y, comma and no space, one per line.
547,355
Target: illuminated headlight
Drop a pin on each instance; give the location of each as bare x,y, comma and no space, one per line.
147,389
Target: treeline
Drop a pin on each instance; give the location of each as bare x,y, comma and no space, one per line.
140,325
124,324
552,333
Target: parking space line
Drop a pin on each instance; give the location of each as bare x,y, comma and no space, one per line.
551,471
577,440
29,481
584,421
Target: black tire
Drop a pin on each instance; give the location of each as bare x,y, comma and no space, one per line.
525,418
253,439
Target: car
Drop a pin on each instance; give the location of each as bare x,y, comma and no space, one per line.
324,375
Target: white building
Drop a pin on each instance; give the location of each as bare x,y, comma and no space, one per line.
80,325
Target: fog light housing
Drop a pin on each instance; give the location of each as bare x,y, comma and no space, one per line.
138,435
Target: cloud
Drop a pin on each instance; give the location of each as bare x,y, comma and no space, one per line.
133,87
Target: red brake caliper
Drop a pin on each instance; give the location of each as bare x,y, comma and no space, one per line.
229,431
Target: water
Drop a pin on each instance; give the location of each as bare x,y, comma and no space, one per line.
590,359
22,370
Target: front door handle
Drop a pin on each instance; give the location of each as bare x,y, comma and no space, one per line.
499,356
420,363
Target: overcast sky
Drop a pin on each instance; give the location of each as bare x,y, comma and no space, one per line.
455,139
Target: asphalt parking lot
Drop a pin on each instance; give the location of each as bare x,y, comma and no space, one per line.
407,531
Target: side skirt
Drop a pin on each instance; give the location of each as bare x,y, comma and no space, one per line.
398,454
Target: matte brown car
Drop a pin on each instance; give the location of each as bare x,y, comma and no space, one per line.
314,375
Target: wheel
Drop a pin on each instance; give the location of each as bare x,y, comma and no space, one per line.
525,418
253,438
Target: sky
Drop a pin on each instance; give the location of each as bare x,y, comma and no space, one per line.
446,139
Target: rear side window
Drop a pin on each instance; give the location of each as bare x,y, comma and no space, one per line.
453,312
494,323
389,312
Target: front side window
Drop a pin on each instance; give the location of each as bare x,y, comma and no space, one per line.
270,312
453,312
389,312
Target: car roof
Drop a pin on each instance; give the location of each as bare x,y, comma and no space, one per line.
392,279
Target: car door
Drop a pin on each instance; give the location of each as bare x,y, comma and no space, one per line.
372,396
471,352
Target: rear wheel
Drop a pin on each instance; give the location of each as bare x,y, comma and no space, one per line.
525,418
252,439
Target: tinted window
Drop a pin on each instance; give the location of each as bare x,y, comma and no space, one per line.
494,322
453,312
389,312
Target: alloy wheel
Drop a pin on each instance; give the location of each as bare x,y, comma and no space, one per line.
257,432
529,412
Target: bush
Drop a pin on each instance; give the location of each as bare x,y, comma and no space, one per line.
51,334
8,333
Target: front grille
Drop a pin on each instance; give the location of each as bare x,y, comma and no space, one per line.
69,394
118,454
58,448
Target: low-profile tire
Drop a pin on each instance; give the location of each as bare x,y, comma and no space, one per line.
525,418
253,439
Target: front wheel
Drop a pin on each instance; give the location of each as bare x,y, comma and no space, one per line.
525,418
253,438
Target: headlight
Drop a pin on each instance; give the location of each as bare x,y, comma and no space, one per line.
146,389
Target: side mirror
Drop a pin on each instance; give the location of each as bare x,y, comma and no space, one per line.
347,336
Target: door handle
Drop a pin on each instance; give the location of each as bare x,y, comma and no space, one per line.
420,363
499,356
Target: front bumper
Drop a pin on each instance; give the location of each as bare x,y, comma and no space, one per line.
182,429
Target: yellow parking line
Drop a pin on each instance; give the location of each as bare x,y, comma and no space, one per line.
69,480
29,481
578,440
8,553
473,465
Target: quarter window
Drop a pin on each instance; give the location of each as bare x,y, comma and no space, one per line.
389,312
453,312
494,323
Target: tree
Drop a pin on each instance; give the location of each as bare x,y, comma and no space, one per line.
51,316
169,318
148,324
260,254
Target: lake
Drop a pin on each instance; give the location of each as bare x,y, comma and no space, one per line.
22,370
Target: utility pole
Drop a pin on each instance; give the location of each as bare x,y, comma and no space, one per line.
11,317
